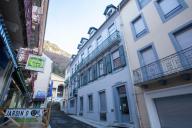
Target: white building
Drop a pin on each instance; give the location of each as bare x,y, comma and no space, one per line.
57,89
100,87
42,83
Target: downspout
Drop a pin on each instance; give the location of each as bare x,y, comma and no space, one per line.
129,70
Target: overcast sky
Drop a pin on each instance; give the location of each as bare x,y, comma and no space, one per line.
69,20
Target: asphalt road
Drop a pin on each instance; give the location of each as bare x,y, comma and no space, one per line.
61,120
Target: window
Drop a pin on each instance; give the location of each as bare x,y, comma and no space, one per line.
82,56
103,105
75,67
148,57
81,104
139,27
112,29
184,37
90,103
182,40
99,40
72,102
90,74
100,66
142,3
169,8
89,49
116,59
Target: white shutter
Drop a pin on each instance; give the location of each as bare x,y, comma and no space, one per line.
139,25
184,38
168,5
148,56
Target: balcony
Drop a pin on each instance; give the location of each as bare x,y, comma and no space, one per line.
176,63
113,39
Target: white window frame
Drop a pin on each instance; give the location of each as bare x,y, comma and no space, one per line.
151,108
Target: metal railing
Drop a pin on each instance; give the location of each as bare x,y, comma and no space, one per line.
174,63
110,41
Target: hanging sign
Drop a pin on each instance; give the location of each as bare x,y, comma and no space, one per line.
24,113
35,63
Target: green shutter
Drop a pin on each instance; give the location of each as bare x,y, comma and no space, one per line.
122,56
96,73
109,66
105,65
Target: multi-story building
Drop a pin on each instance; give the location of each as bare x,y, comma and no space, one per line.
16,32
158,36
41,84
100,87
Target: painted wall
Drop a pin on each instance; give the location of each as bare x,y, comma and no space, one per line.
158,31
158,34
42,82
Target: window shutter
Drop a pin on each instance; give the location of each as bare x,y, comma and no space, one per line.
109,66
104,65
96,71
122,56
87,76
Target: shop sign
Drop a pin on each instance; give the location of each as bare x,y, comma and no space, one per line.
35,63
24,113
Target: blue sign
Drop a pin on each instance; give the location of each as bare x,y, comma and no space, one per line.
50,89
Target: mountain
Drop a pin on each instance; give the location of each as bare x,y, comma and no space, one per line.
59,57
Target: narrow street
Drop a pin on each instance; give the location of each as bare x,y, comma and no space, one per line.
61,120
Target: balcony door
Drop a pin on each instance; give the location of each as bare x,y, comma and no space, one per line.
151,68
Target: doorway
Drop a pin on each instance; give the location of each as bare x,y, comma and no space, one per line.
121,102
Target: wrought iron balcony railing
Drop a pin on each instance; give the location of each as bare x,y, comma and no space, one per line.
178,62
107,43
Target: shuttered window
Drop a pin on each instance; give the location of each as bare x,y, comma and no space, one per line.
142,3
112,29
169,6
139,26
90,103
184,38
116,59
108,64
99,40
119,58
100,67
81,104
103,104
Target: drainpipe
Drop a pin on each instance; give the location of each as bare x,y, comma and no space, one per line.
129,70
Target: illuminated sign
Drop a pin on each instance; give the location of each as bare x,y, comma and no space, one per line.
35,63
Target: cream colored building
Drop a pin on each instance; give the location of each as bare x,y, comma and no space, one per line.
158,36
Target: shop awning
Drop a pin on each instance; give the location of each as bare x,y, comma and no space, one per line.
7,43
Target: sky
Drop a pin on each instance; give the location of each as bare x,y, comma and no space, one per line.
69,20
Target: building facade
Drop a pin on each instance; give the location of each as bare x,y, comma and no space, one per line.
158,36
41,84
16,83
57,89
100,87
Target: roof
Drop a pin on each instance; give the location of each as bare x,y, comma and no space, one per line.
91,28
108,7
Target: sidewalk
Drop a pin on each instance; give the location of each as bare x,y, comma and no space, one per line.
90,122
102,124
